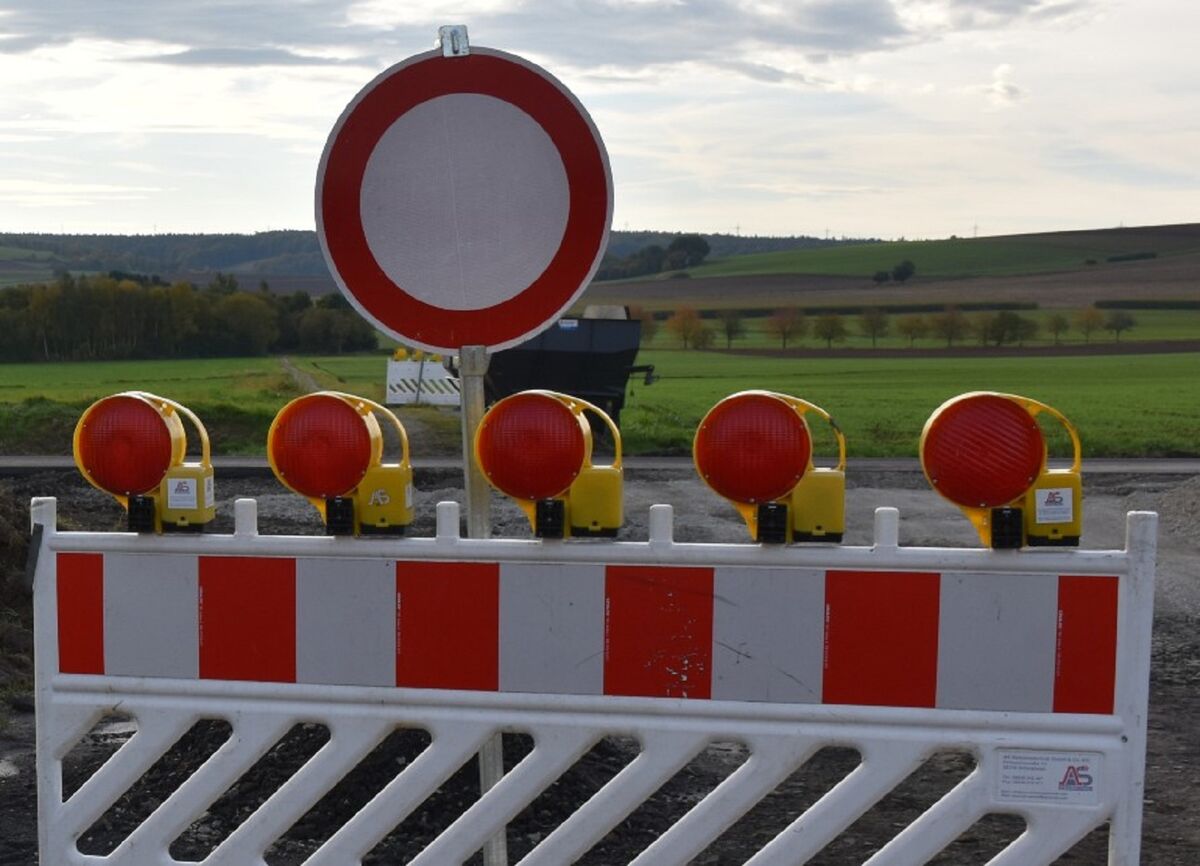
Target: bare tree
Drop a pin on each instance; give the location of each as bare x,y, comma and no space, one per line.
685,324
1088,320
787,324
732,325
949,324
649,323
829,328
873,323
914,327
1118,321
1058,324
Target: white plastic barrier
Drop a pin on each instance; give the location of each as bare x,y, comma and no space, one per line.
1035,662
422,382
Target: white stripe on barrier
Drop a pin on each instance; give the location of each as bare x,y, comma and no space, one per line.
996,642
768,634
346,622
151,616
558,612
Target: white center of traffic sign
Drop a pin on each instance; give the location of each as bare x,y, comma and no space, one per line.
439,194
463,201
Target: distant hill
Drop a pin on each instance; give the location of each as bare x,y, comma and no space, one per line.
1053,269
286,259
1007,255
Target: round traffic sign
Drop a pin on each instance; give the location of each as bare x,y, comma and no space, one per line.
463,200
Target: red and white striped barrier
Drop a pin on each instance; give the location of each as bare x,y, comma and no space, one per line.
955,640
1037,662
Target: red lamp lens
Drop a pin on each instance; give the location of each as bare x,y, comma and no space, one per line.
982,451
752,448
531,446
321,446
124,445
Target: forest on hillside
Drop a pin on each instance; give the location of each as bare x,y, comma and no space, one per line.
123,316
293,252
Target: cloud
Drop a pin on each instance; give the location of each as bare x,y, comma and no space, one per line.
239,57
1002,91
754,38
223,24
57,193
1096,164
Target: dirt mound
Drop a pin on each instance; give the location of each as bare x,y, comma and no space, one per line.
16,614
1178,508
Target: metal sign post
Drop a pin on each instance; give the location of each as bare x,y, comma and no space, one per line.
473,364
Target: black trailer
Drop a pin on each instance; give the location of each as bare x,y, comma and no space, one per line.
587,358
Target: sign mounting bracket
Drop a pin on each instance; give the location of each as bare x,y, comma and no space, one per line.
452,39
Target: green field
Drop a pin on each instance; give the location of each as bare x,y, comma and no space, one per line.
1129,405
962,257
235,397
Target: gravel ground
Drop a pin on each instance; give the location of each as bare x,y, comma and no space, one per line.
1171,837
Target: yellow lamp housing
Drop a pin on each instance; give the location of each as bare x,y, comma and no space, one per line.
132,446
985,452
536,447
328,447
1053,505
754,448
383,500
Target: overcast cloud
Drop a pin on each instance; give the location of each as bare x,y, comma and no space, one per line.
920,118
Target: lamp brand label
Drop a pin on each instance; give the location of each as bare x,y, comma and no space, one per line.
181,493
1054,505
209,497
1028,776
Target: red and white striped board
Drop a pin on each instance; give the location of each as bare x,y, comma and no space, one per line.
956,640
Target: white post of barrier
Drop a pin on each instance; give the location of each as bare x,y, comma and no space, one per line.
1133,681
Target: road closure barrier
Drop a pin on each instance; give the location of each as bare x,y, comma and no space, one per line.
1034,663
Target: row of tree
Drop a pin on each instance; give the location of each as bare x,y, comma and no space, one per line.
121,316
989,328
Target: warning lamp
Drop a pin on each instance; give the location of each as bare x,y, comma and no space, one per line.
328,447
536,446
132,446
754,448
985,452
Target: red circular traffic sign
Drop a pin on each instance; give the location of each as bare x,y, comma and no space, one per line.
463,201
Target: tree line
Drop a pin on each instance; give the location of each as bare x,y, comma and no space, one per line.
685,251
121,316
951,325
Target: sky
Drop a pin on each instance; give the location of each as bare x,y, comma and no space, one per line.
839,118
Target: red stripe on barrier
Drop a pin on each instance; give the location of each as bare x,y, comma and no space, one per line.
448,625
80,613
881,638
248,618
1085,665
658,631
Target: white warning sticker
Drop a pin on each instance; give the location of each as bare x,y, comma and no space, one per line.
181,493
209,497
1054,505
1027,776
